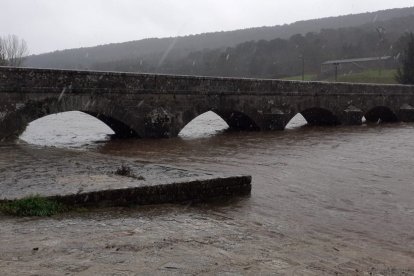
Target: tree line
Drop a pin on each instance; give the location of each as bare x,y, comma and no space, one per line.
394,21
263,59
405,74
275,58
12,50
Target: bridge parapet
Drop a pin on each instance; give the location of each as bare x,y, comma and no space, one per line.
23,79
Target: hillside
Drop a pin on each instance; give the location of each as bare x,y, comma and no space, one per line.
279,58
180,47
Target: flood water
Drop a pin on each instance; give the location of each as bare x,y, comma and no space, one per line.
350,186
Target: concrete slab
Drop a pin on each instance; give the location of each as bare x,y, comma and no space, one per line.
85,178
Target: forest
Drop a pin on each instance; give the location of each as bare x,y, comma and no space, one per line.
267,52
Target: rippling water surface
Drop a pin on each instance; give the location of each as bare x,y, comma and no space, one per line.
352,182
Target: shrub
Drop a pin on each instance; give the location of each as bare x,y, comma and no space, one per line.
32,206
124,171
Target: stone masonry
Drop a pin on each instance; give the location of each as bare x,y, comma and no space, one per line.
155,106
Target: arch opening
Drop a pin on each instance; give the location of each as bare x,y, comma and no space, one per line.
71,129
320,117
120,129
297,121
380,114
205,125
239,121
114,117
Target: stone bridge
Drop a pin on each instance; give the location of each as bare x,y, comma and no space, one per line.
147,105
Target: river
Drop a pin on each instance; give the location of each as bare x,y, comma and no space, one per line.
323,197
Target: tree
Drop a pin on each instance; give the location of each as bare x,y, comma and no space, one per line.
12,51
2,53
405,74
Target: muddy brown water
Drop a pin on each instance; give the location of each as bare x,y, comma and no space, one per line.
324,201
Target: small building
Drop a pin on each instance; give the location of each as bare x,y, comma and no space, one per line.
355,65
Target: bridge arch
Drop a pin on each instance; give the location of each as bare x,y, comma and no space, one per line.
207,123
235,120
121,129
296,121
66,128
381,113
319,116
15,123
239,121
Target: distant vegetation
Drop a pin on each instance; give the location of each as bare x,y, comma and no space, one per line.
266,52
405,74
12,51
277,58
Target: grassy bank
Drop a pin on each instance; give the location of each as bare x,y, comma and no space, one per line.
33,206
308,77
371,76
367,76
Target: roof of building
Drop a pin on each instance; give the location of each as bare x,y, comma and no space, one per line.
339,61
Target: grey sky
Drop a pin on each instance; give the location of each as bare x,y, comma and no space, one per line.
49,25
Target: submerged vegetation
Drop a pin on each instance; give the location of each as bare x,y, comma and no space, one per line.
32,206
126,171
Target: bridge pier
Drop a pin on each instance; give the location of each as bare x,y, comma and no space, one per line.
238,121
320,117
352,116
159,123
406,113
269,122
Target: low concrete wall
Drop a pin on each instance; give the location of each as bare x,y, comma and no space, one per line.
193,191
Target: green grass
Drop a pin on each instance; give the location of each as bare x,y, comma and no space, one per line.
33,206
308,77
387,76
371,76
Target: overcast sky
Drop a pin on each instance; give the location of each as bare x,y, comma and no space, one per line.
48,25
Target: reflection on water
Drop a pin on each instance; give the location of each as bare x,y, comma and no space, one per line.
339,180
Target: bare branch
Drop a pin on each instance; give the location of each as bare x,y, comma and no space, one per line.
12,51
